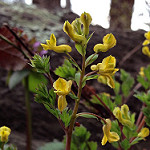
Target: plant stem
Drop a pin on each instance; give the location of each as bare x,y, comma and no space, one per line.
104,105
12,44
2,146
69,132
99,117
28,115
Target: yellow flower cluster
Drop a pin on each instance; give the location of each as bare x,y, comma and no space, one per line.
106,70
63,88
123,115
51,45
4,133
145,48
109,41
109,136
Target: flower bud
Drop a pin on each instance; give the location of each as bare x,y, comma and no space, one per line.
143,133
4,133
86,20
145,51
68,28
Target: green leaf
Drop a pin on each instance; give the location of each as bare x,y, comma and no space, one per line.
66,70
66,116
135,141
125,144
92,145
128,82
147,72
17,77
45,97
41,64
91,59
55,145
142,80
77,78
146,112
90,36
106,99
80,49
87,116
73,96
118,99
52,111
35,79
117,88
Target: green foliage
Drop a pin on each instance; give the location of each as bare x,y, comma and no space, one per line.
80,140
127,82
106,99
146,112
41,64
47,98
129,132
87,116
35,79
143,81
17,77
66,70
66,116
125,144
55,145
80,49
144,97
91,59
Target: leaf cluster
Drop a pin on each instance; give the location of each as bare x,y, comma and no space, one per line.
66,70
41,64
80,139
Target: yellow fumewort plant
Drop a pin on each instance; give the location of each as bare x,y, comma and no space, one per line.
141,73
106,70
63,88
4,133
123,115
109,41
51,45
109,136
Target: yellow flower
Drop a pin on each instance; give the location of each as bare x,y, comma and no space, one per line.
143,133
122,115
106,70
145,51
141,73
51,45
69,30
86,19
109,41
147,36
63,88
109,136
4,133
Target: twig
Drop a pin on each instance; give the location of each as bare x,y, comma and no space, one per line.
18,39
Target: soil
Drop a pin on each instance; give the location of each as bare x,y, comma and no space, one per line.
45,127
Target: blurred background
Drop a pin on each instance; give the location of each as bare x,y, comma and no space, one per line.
134,14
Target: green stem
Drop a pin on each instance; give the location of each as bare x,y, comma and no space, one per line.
69,132
28,115
99,117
